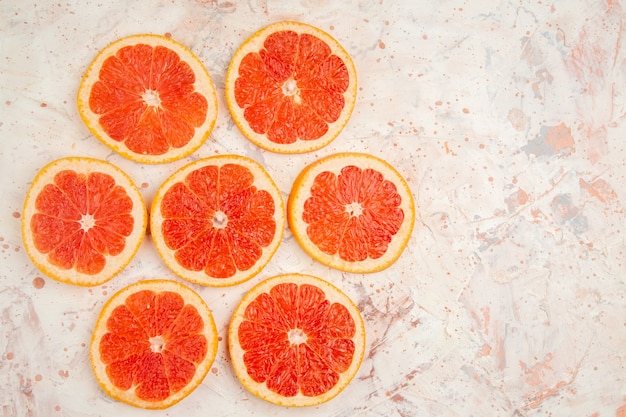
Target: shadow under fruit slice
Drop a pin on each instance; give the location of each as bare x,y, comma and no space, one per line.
291,88
351,211
153,344
296,340
218,221
149,98
83,220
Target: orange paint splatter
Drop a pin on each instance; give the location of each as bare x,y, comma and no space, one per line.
552,140
381,45
536,377
39,283
621,412
518,119
517,199
537,371
485,350
536,400
559,138
486,318
599,189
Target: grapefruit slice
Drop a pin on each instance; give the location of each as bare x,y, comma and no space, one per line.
83,220
351,211
148,98
218,221
296,340
291,88
153,344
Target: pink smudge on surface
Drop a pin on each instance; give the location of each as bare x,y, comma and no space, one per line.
538,377
567,213
518,119
559,138
599,189
39,282
552,140
621,412
536,373
516,200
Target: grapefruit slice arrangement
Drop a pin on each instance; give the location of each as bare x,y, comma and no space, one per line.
296,340
291,88
148,98
83,220
351,211
218,221
153,344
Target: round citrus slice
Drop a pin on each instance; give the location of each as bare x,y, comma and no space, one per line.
148,98
291,88
153,344
83,220
296,340
351,211
218,221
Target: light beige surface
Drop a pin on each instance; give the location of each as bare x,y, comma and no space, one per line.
505,117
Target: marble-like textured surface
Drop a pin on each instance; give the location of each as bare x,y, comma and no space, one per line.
507,119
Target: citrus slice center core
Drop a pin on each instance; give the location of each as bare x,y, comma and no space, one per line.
151,98
296,336
87,222
220,220
354,209
290,89
157,344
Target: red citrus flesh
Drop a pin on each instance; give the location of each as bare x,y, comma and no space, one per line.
153,341
218,221
266,79
354,214
81,218
296,340
145,98
193,213
351,211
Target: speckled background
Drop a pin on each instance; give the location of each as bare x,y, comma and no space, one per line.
506,117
